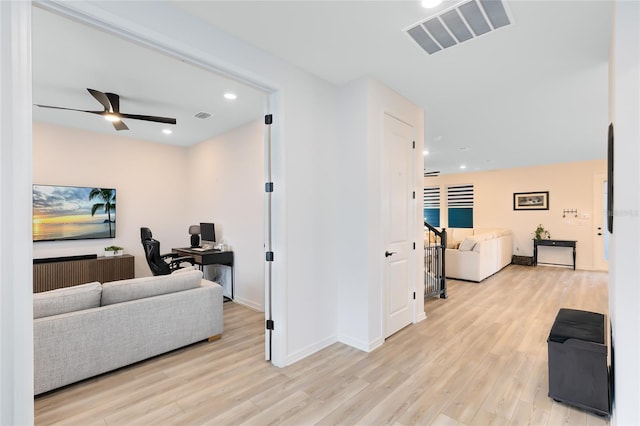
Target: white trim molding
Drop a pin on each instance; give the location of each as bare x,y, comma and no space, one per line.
16,306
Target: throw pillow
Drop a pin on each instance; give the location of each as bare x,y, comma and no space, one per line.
467,244
451,244
64,300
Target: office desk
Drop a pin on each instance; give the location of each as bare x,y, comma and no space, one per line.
209,257
554,243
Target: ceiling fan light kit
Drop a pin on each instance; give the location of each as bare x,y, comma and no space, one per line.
111,112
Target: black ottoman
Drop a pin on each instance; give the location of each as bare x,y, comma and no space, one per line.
578,371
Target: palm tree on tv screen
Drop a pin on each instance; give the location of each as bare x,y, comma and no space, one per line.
108,204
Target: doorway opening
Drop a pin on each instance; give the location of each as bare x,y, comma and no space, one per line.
203,167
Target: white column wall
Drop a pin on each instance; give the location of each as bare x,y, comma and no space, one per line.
625,254
363,104
16,307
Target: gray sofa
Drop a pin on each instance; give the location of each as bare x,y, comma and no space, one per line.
86,330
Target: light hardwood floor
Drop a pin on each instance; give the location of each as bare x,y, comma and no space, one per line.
479,358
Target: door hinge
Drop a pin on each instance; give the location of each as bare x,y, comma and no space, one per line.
270,323
268,119
414,144
414,295
414,195
414,246
269,256
268,187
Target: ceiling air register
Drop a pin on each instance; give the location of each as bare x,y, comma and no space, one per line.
465,21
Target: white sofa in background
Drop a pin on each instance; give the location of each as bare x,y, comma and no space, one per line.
86,330
475,254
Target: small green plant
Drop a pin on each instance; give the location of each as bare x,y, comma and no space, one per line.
113,248
541,233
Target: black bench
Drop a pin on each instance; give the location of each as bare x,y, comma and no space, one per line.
578,370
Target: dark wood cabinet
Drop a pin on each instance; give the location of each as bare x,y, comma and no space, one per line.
51,274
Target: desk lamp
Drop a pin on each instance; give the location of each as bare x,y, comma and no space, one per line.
194,230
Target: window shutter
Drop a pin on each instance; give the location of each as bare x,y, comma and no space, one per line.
460,206
432,205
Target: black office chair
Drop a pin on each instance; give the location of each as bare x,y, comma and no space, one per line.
160,264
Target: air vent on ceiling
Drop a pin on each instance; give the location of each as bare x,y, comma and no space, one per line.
202,115
462,22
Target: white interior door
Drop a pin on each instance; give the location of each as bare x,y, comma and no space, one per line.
601,239
397,224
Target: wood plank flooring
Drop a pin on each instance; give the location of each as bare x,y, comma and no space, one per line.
480,358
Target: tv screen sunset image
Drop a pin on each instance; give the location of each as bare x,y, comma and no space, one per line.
73,213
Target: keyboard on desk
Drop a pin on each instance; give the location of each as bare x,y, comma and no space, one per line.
204,249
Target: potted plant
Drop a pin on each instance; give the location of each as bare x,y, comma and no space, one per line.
113,251
541,233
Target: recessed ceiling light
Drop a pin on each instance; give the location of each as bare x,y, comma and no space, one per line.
425,152
463,166
230,96
428,4
167,131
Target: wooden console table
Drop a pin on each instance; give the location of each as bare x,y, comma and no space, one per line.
54,273
554,243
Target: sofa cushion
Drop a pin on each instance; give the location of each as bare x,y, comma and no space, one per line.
467,244
64,300
139,288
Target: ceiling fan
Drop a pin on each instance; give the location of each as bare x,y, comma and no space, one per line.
432,174
111,104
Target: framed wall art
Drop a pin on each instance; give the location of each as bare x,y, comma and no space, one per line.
531,200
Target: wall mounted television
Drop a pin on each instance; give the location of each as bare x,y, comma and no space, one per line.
73,213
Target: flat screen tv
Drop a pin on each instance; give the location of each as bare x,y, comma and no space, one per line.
73,213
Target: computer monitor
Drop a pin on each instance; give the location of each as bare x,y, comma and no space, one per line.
207,235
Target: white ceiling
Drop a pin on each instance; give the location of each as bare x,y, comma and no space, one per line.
531,93
69,57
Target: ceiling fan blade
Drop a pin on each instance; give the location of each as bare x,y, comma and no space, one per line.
70,109
114,100
437,172
150,118
119,125
102,98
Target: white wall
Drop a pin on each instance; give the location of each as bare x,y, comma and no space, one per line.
363,104
570,186
149,179
166,188
625,264
226,183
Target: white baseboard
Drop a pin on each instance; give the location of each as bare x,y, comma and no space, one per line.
361,345
310,350
249,304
